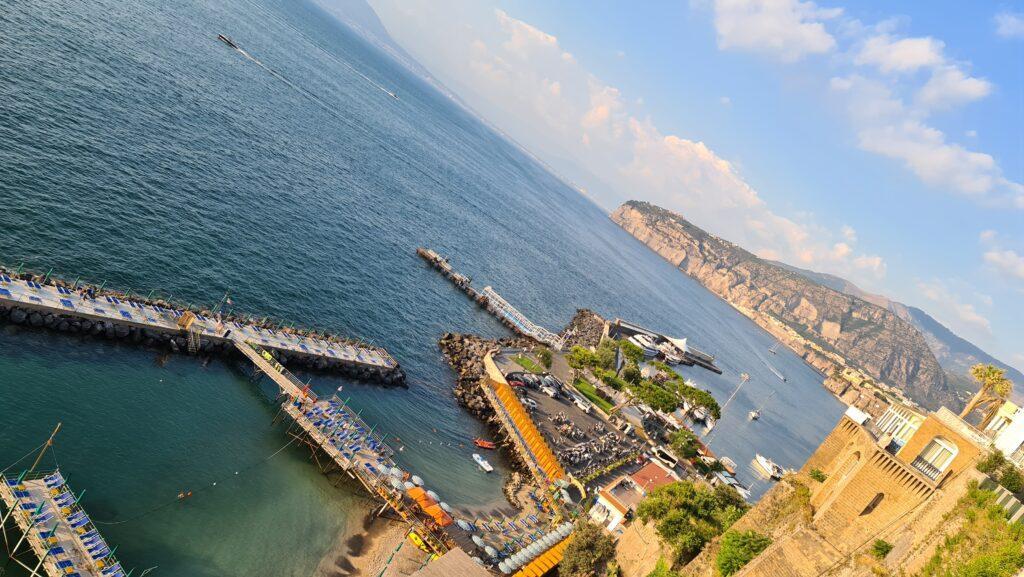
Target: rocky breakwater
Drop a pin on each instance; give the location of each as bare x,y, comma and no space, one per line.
585,329
839,326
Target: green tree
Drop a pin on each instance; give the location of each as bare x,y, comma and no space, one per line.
684,443
631,374
992,463
587,552
738,548
580,358
880,548
687,515
818,475
545,357
1011,479
632,352
994,388
662,569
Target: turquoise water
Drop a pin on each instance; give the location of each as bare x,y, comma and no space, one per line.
138,150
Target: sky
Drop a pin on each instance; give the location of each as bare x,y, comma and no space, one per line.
880,141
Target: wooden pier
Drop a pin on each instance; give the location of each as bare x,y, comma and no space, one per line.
25,301
494,303
54,527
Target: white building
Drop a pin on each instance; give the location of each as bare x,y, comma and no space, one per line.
1007,432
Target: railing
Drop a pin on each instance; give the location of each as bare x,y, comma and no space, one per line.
927,469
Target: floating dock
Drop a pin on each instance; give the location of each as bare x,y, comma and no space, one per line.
690,355
66,309
493,302
53,526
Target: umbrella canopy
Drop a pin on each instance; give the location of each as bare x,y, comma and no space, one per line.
396,472
397,484
445,506
463,525
504,568
433,495
491,551
409,485
478,541
417,480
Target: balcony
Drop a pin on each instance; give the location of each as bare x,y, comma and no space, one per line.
926,468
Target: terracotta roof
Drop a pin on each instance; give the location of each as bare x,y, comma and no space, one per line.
613,501
652,476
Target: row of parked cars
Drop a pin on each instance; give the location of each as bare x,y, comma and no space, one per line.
550,386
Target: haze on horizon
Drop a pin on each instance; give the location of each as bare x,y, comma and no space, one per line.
885,147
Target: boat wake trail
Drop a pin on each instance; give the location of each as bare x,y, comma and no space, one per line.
309,95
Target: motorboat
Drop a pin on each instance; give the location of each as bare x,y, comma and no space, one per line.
754,415
483,444
768,466
482,462
646,343
227,40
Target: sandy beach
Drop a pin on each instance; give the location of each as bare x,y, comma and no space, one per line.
371,547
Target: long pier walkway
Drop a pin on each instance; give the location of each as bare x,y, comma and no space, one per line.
61,307
493,302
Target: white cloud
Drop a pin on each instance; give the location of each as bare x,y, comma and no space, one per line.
1007,262
725,101
787,29
900,55
961,316
849,233
987,235
1010,25
949,87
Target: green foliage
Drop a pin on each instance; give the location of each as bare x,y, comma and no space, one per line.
654,396
632,352
662,569
1004,472
581,358
687,515
528,364
605,355
880,548
587,552
684,444
609,378
818,475
545,357
985,545
738,548
1011,479
992,463
631,373
587,390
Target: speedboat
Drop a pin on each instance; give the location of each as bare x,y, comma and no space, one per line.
768,467
227,40
754,415
483,463
484,444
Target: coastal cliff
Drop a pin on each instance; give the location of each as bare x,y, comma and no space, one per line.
829,329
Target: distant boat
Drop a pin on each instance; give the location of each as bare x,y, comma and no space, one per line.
483,463
484,444
227,40
774,348
768,467
754,415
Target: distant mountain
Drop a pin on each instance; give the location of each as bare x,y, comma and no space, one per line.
828,327
955,354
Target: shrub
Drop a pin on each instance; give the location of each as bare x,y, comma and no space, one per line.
738,548
992,463
687,515
631,351
545,357
880,548
662,569
631,374
684,444
587,552
818,475
1011,479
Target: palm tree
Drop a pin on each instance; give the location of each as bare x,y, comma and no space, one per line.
995,389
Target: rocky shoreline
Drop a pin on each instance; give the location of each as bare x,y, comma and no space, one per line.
585,329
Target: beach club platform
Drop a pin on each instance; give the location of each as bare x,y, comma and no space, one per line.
54,527
124,313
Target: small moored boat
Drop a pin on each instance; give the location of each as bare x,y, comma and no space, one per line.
483,463
769,467
483,444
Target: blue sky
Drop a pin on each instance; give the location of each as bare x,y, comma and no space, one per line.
879,141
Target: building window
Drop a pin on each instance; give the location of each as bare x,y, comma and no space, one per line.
935,457
873,504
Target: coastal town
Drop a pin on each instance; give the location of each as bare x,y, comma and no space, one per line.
602,435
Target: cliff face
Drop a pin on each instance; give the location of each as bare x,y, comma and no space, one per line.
841,327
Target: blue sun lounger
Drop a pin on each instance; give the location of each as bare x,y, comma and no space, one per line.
5,278
67,303
126,314
34,298
100,311
5,292
65,564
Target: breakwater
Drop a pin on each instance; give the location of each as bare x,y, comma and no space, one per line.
492,302
44,302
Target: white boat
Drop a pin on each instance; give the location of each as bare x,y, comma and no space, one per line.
774,349
646,343
483,463
754,415
768,466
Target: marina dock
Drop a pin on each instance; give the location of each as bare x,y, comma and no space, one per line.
53,525
494,303
55,306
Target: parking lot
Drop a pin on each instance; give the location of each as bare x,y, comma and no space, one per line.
584,443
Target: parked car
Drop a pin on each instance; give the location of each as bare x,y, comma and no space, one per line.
549,390
582,403
530,404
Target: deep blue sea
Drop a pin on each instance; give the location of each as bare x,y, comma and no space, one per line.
137,150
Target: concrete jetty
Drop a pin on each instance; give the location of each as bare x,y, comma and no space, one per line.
51,523
26,301
494,303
